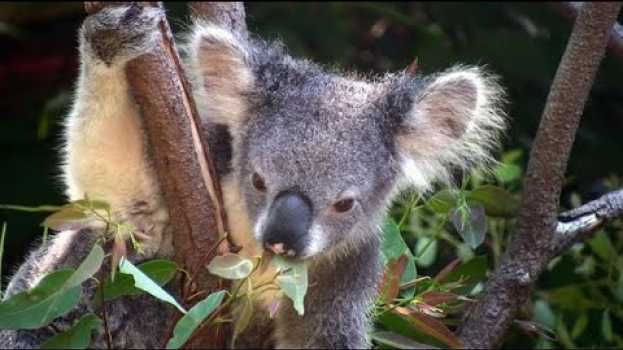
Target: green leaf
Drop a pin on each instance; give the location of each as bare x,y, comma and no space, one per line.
543,314
159,270
471,224
55,295
579,326
230,266
426,251
443,201
143,282
189,322
77,337
66,219
393,244
606,326
497,201
243,314
409,275
602,246
293,281
91,203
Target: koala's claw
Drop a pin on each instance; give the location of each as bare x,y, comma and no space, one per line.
121,33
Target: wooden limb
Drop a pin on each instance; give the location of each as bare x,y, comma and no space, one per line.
184,167
570,9
580,223
511,284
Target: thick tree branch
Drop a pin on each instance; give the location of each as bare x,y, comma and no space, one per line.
570,9
530,250
185,170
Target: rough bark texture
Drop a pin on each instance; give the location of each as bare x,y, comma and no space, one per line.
570,9
185,170
531,247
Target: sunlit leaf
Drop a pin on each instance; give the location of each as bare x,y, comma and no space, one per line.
230,266
77,337
159,270
193,319
293,281
143,282
55,295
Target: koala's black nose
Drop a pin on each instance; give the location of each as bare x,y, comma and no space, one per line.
287,224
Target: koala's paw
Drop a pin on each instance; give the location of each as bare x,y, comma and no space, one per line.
120,33
150,223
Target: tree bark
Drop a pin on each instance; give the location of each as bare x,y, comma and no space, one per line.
531,247
570,9
185,170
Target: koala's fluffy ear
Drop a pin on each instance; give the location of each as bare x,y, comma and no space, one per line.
218,60
454,121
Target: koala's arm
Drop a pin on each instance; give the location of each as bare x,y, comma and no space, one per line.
105,157
337,305
105,154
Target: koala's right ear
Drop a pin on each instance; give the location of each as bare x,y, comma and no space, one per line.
221,72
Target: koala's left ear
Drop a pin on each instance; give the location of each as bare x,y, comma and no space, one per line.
454,120
219,64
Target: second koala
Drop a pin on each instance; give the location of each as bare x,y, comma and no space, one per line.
310,160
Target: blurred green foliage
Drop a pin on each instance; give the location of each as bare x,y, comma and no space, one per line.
579,299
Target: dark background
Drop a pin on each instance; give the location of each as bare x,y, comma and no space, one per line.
522,42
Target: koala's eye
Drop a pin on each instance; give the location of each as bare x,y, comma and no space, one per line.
258,182
343,205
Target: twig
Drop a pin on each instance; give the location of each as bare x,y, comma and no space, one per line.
105,316
529,251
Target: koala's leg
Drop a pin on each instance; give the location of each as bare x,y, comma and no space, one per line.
106,154
337,305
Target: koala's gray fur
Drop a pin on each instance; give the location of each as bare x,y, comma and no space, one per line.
322,133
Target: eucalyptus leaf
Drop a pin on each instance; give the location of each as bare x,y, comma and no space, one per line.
443,201
143,282
68,218
426,251
292,280
496,201
393,243
243,314
193,319
55,295
398,341
606,326
230,266
471,224
77,337
159,270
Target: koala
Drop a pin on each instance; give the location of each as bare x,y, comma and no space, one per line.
309,159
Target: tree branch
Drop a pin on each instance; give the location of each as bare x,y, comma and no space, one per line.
184,167
530,250
570,9
580,223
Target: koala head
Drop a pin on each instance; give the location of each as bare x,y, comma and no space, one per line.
319,154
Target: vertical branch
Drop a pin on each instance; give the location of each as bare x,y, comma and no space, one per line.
531,247
183,164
